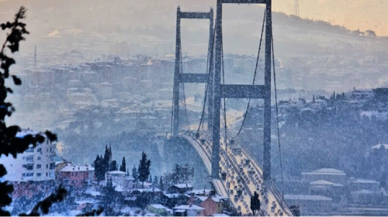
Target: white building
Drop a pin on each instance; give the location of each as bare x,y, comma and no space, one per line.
35,164
327,174
363,184
310,204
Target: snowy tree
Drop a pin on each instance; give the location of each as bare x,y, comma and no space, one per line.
123,165
144,168
10,143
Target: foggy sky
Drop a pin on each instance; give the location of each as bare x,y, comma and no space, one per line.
353,14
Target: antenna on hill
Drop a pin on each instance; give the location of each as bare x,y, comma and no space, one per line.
35,58
296,8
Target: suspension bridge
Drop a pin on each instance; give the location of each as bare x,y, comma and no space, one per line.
234,172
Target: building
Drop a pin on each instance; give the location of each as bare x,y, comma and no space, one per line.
328,189
118,177
35,164
213,205
310,204
159,209
187,210
181,188
363,184
76,176
327,174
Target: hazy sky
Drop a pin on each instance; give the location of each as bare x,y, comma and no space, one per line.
353,14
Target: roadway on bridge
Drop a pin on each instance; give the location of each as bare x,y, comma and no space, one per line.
244,176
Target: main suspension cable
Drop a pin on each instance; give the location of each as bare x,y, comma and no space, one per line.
208,72
277,115
254,79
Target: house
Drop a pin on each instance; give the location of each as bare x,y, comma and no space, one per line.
213,205
170,200
159,209
188,210
200,192
180,188
327,174
76,176
118,177
326,188
363,184
310,204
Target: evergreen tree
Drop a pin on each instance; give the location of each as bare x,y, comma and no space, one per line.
155,183
123,165
10,143
144,168
134,173
113,166
161,186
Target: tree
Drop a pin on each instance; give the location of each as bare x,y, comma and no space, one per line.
161,186
134,173
113,166
144,168
10,144
255,203
123,165
180,174
155,182
99,168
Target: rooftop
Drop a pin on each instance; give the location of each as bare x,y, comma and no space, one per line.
378,146
306,197
183,186
188,207
74,168
327,171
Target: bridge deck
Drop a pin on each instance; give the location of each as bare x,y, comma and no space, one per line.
232,164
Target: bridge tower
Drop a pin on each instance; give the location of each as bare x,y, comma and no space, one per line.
242,91
180,77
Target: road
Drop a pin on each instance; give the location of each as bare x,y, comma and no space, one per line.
244,174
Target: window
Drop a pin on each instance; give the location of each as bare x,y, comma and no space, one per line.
30,150
39,150
39,158
29,174
30,158
38,174
46,166
52,166
38,166
46,174
23,175
28,166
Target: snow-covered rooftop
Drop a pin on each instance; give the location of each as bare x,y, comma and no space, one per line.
117,172
188,207
200,191
74,168
305,197
326,171
321,182
365,181
378,146
158,206
183,186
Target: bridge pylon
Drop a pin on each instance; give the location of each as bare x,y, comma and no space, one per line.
180,77
242,91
